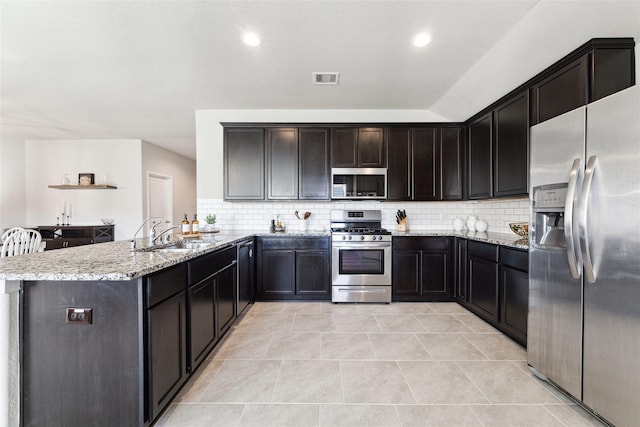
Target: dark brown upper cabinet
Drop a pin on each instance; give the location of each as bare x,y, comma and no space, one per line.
297,163
596,69
424,163
358,148
511,146
282,163
479,164
243,154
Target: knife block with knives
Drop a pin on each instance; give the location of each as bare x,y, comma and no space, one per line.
402,221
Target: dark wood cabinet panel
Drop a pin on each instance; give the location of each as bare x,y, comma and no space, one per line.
451,163
511,147
244,150
167,364
226,297
483,280
344,148
461,278
282,163
422,269
246,274
479,159
314,168
612,70
293,268
563,91
312,272
358,147
514,293
278,273
426,167
371,148
399,159
202,320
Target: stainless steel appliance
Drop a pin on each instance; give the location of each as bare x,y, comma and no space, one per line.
359,183
360,257
584,273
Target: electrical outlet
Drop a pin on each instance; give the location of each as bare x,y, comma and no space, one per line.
81,316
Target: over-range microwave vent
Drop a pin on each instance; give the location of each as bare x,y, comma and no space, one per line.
325,78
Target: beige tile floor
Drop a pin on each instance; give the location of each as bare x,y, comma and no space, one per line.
403,364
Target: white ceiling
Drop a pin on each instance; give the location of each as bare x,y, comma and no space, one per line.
139,70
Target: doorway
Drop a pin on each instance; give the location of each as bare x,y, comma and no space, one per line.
159,201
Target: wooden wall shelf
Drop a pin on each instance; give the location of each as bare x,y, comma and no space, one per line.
84,187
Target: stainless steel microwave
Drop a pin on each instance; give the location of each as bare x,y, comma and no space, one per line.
359,183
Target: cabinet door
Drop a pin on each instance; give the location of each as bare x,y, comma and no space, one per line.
612,71
344,146
371,148
243,164
314,171
511,147
312,273
167,351
282,163
406,275
435,275
245,275
562,91
483,287
226,297
479,158
514,304
461,276
277,280
399,164
451,163
426,168
202,320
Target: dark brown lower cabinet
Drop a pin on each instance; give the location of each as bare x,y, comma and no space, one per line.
497,285
461,276
293,268
514,293
422,269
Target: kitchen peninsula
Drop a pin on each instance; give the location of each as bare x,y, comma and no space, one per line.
122,330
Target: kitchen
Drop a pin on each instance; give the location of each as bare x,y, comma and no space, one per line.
426,215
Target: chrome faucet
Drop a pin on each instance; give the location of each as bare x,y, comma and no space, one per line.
133,241
163,232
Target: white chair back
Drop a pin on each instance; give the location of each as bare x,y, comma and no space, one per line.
21,243
9,232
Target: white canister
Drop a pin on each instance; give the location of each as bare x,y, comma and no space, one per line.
481,226
471,223
457,224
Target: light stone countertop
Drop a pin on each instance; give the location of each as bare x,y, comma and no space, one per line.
116,261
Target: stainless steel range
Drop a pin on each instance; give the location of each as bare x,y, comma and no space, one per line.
360,257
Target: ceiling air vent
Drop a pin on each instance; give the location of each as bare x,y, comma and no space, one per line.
325,78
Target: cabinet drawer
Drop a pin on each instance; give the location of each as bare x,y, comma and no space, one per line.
165,283
421,243
209,264
294,243
483,250
514,258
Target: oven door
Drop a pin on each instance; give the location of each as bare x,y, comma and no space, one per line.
361,263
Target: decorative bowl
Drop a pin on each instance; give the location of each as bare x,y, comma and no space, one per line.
520,228
107,221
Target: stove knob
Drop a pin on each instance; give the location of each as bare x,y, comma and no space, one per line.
349,237
361,237
379,237
344,237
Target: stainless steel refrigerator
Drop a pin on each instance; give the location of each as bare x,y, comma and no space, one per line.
584,279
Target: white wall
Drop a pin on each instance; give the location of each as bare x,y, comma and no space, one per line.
183,172
117,160
13,201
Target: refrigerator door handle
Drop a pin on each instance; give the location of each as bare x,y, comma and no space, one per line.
589,272
572,243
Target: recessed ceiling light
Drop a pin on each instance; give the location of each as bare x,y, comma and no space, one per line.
251,39
421,40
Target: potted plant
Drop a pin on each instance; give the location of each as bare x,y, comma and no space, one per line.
211,222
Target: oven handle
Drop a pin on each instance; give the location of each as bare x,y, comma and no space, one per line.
376,290
361,245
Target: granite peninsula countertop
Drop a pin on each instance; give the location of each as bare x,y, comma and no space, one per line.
116,261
